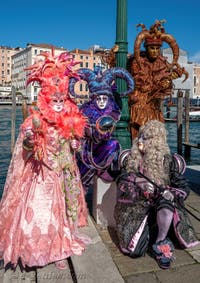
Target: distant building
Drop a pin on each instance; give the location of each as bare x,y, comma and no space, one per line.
5,91
6,54
196,90
189,67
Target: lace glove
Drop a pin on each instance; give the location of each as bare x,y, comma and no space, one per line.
28,142
168,195
147,189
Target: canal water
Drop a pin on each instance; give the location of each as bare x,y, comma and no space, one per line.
5,139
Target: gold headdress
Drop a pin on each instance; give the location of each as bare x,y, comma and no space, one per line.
156,35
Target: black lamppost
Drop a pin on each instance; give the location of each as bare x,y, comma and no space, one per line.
122,133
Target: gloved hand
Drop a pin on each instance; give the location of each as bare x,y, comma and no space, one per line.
147,189
105,124
168,195
28,142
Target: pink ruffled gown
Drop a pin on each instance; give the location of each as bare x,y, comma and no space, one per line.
42,206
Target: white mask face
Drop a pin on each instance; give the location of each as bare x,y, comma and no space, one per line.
102,101
143,143
57,105
57,102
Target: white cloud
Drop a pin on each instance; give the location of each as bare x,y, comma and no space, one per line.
195,58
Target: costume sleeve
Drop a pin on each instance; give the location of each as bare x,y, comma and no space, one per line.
179,184
127,190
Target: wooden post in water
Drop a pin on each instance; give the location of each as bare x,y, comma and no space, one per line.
179,121
187,115
13,119
24,109
187,123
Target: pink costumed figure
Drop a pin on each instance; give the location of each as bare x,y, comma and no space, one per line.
43,202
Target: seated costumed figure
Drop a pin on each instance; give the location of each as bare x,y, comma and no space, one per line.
99,154
43,202
150,211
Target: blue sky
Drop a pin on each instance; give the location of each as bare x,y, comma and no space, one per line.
81,24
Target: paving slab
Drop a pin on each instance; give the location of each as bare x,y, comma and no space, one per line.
186,274
192,197
96,263
17,276
50,274
142,278
129,266
47,274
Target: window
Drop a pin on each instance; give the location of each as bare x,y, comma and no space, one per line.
195,80
81,87
81,64
86,64
94,65
86,87
35,51
81,57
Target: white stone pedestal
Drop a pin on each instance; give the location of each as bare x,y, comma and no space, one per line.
104,200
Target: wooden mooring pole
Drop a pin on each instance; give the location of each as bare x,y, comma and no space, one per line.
179,121
24,109
187,123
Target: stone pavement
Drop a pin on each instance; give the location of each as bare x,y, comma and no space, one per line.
102,262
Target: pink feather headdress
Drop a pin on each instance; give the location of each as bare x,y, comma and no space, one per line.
53,75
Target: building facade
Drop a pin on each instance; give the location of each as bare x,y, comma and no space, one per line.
6,54
196,90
